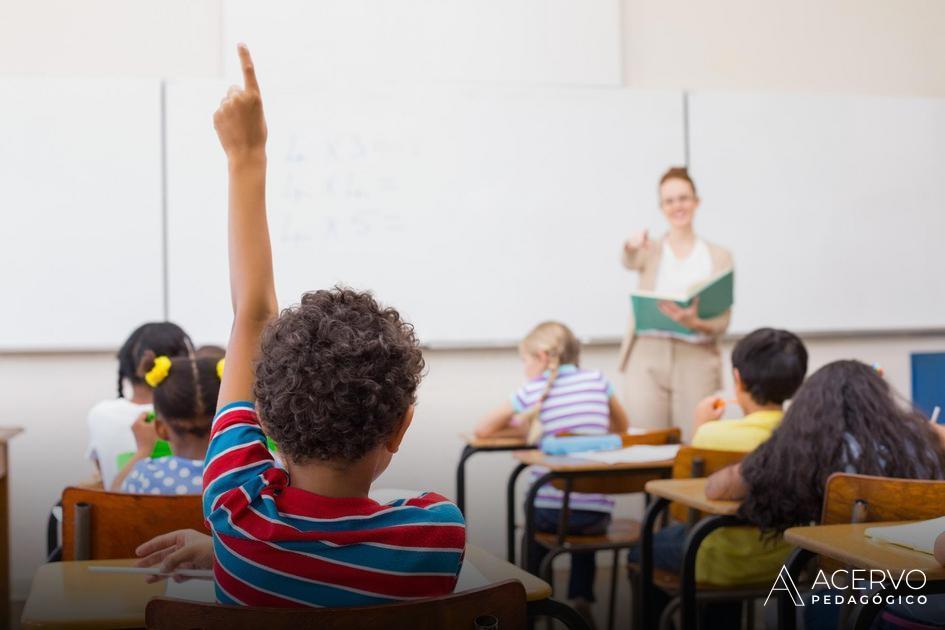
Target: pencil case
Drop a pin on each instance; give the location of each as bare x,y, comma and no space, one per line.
553,445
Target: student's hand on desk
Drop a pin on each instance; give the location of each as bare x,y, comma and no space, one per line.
181,549
145,435
708,410
239,120
685,316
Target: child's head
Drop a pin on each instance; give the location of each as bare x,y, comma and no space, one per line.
212,352
548,346
185,394
678,198
337,379
843,418
159,338
769,365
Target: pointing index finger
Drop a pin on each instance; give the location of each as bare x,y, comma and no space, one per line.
249,70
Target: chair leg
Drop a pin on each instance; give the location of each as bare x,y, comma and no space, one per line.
749,614
613,590
666,619
634,579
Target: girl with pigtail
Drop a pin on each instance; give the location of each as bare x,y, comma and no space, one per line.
560,397
185,391
110,421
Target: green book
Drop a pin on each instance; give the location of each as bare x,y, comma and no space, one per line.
716,295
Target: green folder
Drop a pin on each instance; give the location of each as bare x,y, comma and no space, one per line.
716,295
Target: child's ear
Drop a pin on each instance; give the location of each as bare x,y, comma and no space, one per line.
737,379
393,442
160,427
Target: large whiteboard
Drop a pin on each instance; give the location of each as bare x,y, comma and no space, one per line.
476,212
80,246
834,207
519,41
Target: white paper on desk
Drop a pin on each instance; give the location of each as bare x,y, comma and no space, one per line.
638,454
918,536
469,578
192,590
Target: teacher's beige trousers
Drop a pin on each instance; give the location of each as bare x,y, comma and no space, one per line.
666,378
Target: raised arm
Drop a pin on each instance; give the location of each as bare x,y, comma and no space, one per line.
634,251
241,127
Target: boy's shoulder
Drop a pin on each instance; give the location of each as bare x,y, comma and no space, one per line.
737,434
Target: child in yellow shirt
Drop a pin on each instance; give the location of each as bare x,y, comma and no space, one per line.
768,366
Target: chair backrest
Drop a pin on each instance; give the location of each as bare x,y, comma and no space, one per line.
693,463
625,483
116,523
505,601
852,498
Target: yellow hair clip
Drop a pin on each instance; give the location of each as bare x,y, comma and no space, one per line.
157,374
220,368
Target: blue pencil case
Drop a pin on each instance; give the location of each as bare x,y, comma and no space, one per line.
553,445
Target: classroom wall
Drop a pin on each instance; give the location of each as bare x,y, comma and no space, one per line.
868,46
851,46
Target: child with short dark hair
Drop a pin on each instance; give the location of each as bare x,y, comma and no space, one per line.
185,397
768,366
333,380
110,421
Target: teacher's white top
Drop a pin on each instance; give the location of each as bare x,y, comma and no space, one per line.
677,275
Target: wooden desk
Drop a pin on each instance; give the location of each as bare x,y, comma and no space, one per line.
848,543
475,445
6,434
66,595
691,493
571,471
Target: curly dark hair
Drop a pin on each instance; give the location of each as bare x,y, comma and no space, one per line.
844,418
336,375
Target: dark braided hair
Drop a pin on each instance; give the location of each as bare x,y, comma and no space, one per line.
187,398
161,338
844,418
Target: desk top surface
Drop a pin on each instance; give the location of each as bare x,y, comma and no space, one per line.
509,443
561,463
849,544
691,492
67,595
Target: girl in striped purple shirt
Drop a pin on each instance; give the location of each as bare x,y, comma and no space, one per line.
560,397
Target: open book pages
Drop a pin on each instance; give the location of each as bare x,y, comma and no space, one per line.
919,536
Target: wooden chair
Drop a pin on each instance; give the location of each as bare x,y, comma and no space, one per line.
622,533
693,463
852,498
115,524
505,601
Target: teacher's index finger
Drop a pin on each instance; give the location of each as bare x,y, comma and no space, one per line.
249,70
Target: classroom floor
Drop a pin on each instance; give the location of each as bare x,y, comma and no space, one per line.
602,590
16,609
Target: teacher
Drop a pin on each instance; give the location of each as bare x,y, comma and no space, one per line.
666,376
